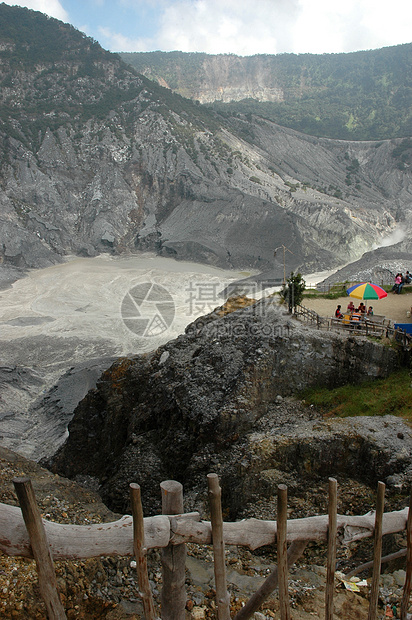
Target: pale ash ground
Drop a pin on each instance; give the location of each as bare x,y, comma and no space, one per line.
66,314
82,299
69,316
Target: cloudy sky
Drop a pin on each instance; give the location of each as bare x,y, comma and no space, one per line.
242,27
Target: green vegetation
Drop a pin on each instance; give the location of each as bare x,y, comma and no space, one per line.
292,292
358,96
36,38
335,291
380,397
403,154
67,79
179,70
363,95
54,76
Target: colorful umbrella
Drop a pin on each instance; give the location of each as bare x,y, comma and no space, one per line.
366,290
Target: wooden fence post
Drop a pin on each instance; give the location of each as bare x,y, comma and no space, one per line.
282,552
331,560
408,578
222,595
377,553
173,594
40,548
140,552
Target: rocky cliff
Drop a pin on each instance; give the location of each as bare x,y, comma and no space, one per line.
216,399
268,77
361,95
96,158
222,77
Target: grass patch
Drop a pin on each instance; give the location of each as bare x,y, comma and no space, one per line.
392,395
335,291
312,293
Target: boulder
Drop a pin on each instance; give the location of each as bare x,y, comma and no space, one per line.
197,404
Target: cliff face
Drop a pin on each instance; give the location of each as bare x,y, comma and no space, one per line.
274,77
199,403
360,95
231,78
96,158
97,187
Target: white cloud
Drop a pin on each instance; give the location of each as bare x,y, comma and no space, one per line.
349,25
243,27
227,26
117,42
247,27
52,8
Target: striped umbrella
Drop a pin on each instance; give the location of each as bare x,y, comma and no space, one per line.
366,290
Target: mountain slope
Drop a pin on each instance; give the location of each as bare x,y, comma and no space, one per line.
358,96
97,158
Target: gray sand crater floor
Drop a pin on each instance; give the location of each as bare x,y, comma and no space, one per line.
67,320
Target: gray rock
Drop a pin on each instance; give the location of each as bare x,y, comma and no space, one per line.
164,357
181,420
126,178
201,572
399,577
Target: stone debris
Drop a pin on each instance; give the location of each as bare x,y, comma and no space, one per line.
107,587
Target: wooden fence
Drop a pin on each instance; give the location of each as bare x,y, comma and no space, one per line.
24,533
332,287
377,326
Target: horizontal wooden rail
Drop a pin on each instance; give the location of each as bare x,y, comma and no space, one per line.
116,538
368,327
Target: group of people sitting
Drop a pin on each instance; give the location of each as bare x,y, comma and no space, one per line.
400,280
356,314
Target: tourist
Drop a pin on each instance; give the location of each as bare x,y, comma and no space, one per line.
351,307
397,287
338,313
356,318
362,308
370,311
408,278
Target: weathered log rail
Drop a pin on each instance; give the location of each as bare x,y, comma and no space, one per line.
367,327
77,542
134,535
312,317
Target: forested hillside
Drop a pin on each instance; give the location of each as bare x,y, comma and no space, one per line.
359,96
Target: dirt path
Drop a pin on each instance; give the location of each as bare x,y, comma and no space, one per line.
394,307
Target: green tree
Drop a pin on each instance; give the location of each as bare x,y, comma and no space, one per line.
292,292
